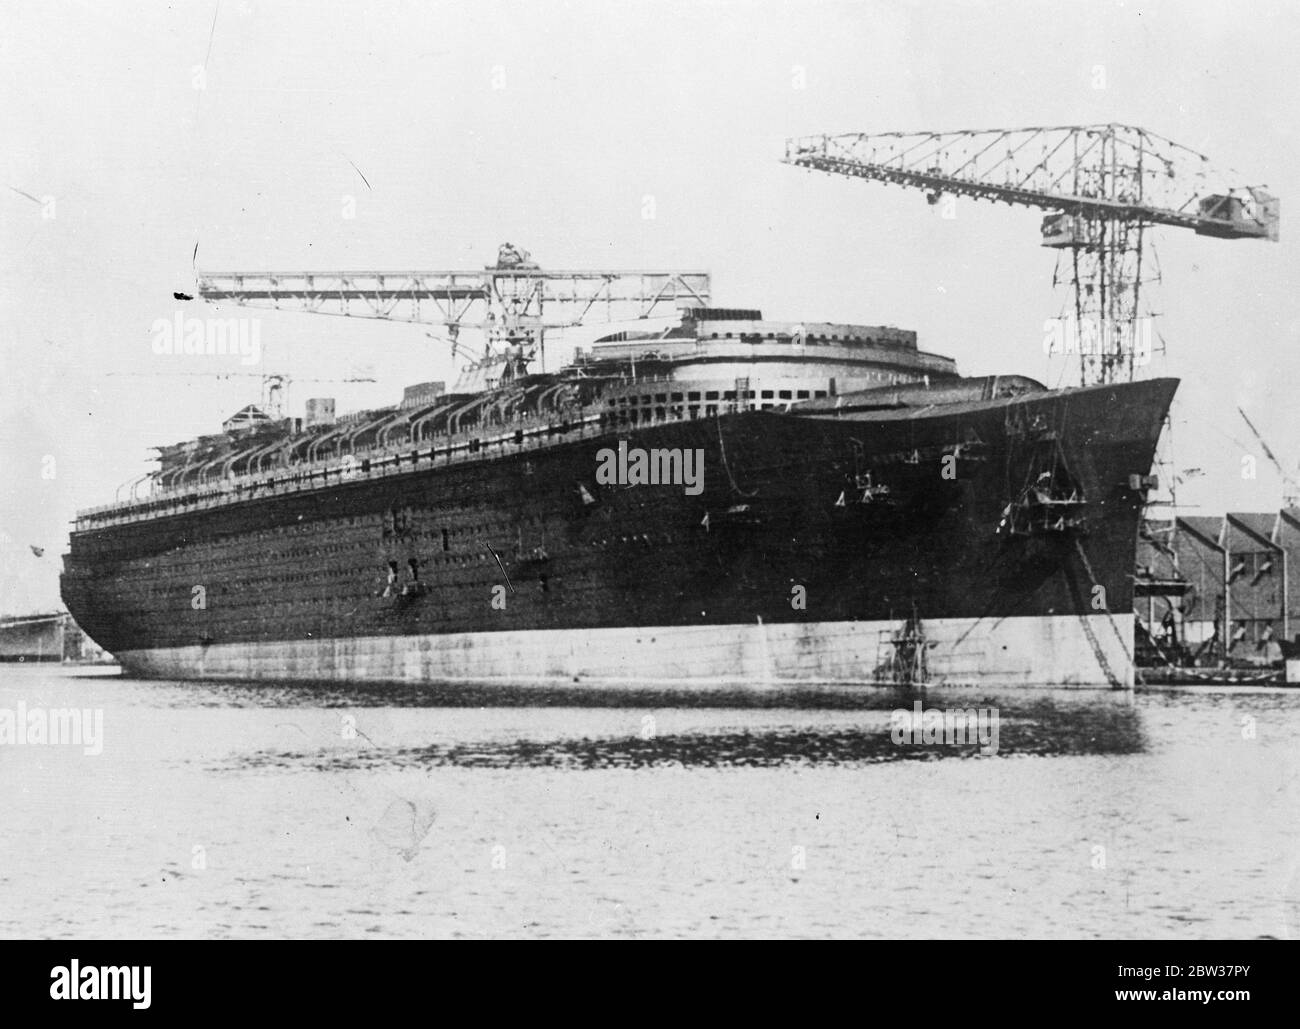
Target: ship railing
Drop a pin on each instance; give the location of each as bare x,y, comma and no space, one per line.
364,465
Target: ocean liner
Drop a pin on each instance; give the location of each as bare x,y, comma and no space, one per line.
727,502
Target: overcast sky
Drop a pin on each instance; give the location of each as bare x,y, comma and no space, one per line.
246,127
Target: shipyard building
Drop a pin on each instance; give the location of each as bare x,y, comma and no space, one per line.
1219,587
47,637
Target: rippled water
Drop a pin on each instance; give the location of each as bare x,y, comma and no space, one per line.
242,811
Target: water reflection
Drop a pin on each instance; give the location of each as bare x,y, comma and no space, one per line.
1039,727
170,693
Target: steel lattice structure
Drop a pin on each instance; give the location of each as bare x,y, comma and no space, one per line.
1104,186
513,304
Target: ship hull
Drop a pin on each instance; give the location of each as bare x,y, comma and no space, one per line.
1059,651
988,541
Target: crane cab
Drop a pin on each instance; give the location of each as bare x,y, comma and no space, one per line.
1062,230
1226,216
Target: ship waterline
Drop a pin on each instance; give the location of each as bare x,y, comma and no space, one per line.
1090,650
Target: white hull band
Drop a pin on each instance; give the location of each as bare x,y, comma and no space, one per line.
1092,650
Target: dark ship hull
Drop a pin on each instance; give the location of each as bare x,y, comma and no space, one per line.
985,540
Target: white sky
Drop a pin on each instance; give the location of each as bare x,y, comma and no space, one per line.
602,105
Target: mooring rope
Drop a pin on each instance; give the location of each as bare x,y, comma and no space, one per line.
1092,638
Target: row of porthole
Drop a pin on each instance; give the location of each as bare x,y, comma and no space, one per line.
820,338
232,595
220,551
331,524
270,558
647,399
197,571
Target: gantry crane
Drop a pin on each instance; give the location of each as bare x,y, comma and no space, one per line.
1103,186
512,302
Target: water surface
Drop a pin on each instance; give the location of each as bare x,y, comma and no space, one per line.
224,811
